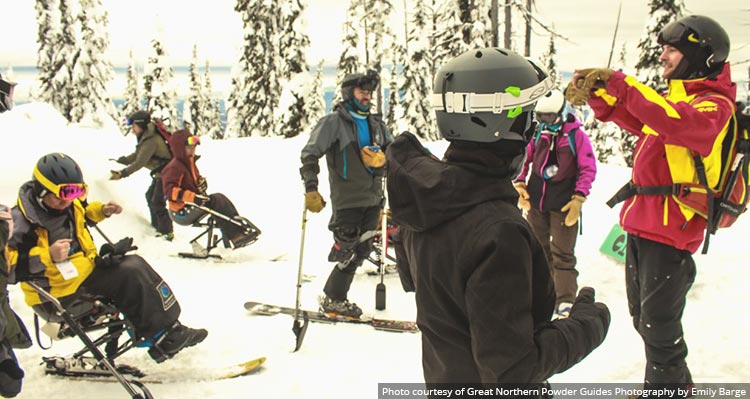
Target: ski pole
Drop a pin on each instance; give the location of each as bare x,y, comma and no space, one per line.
96,226
380,288
298,329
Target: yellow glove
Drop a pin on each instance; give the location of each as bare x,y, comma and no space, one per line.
373,157
584,81
115,175
314,201
573,207
523,196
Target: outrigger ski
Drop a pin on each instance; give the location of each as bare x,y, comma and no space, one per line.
88,369
264,309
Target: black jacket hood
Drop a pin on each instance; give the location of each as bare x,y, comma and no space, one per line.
425,192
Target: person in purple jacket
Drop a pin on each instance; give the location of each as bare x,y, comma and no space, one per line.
563,166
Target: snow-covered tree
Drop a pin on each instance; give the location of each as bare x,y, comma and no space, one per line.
293,41
192,116
255,85
317,95
349,61
93,71
448,34
548,62
211,111
648,68
132,94
419,69
379,44
56,77
47,17
158,91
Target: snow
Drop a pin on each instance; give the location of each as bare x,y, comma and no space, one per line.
260,175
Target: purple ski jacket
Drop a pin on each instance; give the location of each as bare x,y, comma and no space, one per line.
575,173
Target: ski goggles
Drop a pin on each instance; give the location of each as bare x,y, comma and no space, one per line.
193,140
676,32
6,94
71,191
548,118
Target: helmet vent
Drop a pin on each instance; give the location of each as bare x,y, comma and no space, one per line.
478,121
478,54
501,51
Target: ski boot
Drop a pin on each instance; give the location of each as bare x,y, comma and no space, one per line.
177,338
334,307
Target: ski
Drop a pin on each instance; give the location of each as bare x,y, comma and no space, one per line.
88,369
264,309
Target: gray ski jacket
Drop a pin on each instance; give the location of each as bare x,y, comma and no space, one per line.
335,136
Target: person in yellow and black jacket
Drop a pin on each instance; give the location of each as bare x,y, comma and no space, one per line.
52,246
151,153
691,118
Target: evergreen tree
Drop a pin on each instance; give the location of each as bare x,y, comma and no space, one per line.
159,95
317,95
193,116
349,62
211,112
65,54
418,116
448,34
132,93
92,72
294,42
255,86
293,47
648,68
47,16
548,62
379,44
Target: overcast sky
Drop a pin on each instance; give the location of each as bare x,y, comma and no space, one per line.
216,29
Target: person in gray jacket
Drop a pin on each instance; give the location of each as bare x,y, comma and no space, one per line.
353,141
152,153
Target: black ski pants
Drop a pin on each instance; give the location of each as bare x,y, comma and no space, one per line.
137,291
348,225
157,206
657,279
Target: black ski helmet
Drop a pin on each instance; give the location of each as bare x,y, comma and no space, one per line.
140,118
6,94
487,95
703,43
366,81
54,169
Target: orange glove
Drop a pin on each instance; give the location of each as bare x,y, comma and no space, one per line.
523,196
573,207
373,157
314,201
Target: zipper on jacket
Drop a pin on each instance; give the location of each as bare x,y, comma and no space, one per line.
544,181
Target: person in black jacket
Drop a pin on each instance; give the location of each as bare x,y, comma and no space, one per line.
484,293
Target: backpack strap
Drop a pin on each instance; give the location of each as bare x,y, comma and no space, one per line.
572,141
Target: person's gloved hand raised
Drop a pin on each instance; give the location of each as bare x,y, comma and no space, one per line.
314,201
115,175
573,207
523,196
593,314
584,81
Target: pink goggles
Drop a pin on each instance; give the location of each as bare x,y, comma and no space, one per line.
193,140
71,191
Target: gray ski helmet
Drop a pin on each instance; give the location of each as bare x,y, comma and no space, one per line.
140,118
702,41
486,95
6,94
55,169
369,81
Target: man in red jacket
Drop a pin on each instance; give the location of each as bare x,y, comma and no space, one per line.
690,118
